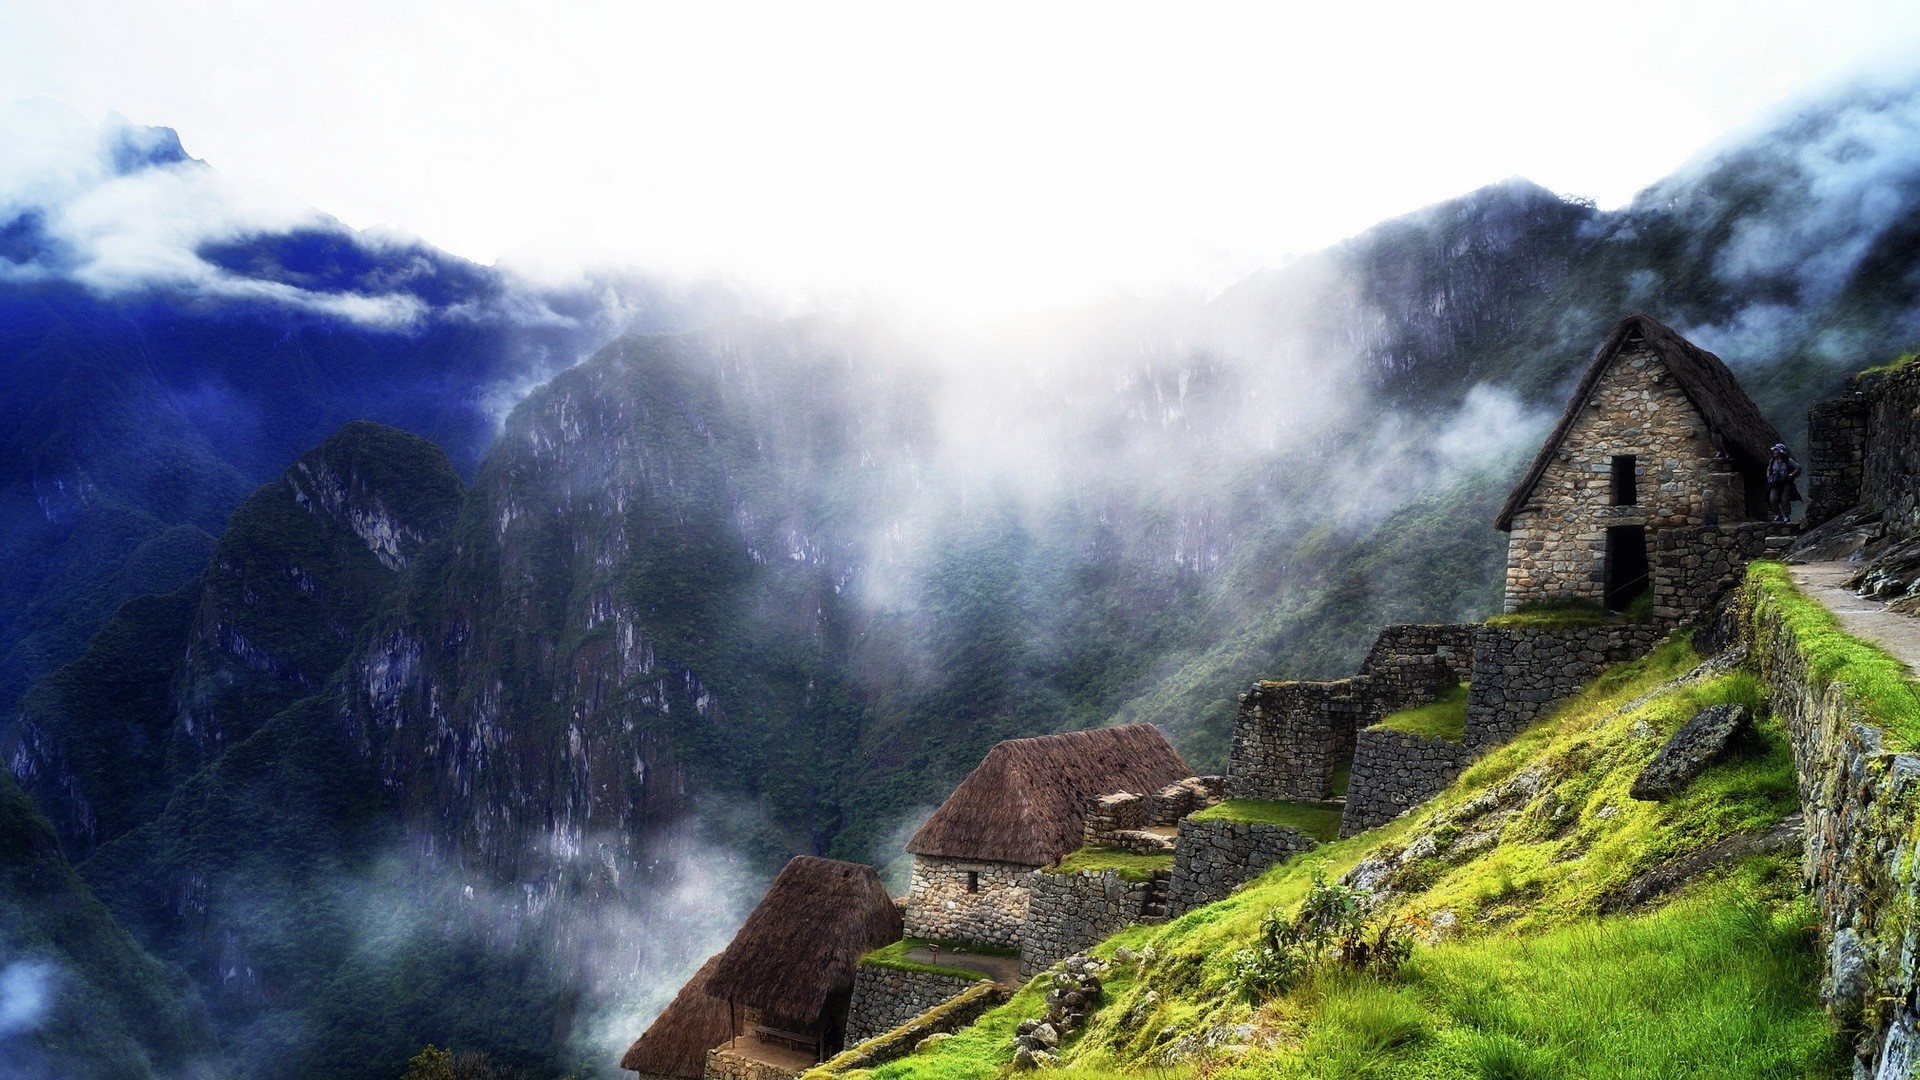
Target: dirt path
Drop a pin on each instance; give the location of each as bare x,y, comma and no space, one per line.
1869,619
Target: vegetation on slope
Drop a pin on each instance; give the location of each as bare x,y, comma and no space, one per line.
1520,882
1128,865
1442,719
1879,684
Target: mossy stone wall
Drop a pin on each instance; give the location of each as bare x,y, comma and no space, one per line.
885,998
1211,857
1068,912
1394,771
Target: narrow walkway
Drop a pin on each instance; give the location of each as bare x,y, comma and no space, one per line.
1863,618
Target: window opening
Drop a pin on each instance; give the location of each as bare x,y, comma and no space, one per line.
1625,490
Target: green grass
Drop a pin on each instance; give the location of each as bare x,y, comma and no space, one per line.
895,956
1443,719
1319,822
1129,866
1870,677
1520,972
1893,365
1570,613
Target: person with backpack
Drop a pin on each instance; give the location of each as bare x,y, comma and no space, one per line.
1782,492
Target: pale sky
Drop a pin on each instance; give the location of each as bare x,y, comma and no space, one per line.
955,155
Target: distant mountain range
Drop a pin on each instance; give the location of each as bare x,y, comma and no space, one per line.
299,612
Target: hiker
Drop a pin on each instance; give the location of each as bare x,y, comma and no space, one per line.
1782,492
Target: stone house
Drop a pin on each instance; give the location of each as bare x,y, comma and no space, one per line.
775,1001
1658,435
1023,807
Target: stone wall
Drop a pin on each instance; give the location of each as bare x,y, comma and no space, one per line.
1862,807
1557,546
1890,451
1394,771
1521,673
942,1019
1836,455
1211,857
1068,912
1694,568
886,997
726,1065
940,904
1289,737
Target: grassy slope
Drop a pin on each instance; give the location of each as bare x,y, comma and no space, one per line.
1508,873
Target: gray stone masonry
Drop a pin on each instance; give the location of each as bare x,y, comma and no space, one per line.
1109,815
1068,912
943,1019
1290,737
945,903
1557,546
1521,672
1394,771
1862,805
1188,796
1211,857
1694,567
1698,743
1835,461
726,1065
885,997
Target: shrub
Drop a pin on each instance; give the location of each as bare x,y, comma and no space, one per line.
1334,928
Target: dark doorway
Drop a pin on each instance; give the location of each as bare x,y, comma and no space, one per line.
1626,565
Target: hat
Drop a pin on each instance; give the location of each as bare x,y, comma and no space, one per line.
1779,448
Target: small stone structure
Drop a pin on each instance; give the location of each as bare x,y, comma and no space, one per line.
1394,771
1140,823
1214,855
886,997
1069,912
1290,738
967,900
1657,436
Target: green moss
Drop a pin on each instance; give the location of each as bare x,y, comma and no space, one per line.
1129,866
1872,679
1895,364
1442,719
1313,819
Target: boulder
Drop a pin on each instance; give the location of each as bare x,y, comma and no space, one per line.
1698,743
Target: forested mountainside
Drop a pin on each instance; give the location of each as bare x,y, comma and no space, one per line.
772,586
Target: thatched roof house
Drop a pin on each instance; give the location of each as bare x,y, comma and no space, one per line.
1026,803
676,1044
794,958
1733,421
1657,436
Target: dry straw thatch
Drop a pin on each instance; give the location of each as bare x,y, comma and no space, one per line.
676,1044
1026,803
800,946
1731,415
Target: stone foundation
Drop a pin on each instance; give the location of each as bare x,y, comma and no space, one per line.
1211,857
944,903
1394,771
885,997
1522,673
727,1065
1068,912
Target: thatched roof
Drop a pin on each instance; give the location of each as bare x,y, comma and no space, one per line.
1730,414
801,944
677,1042
1027,802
